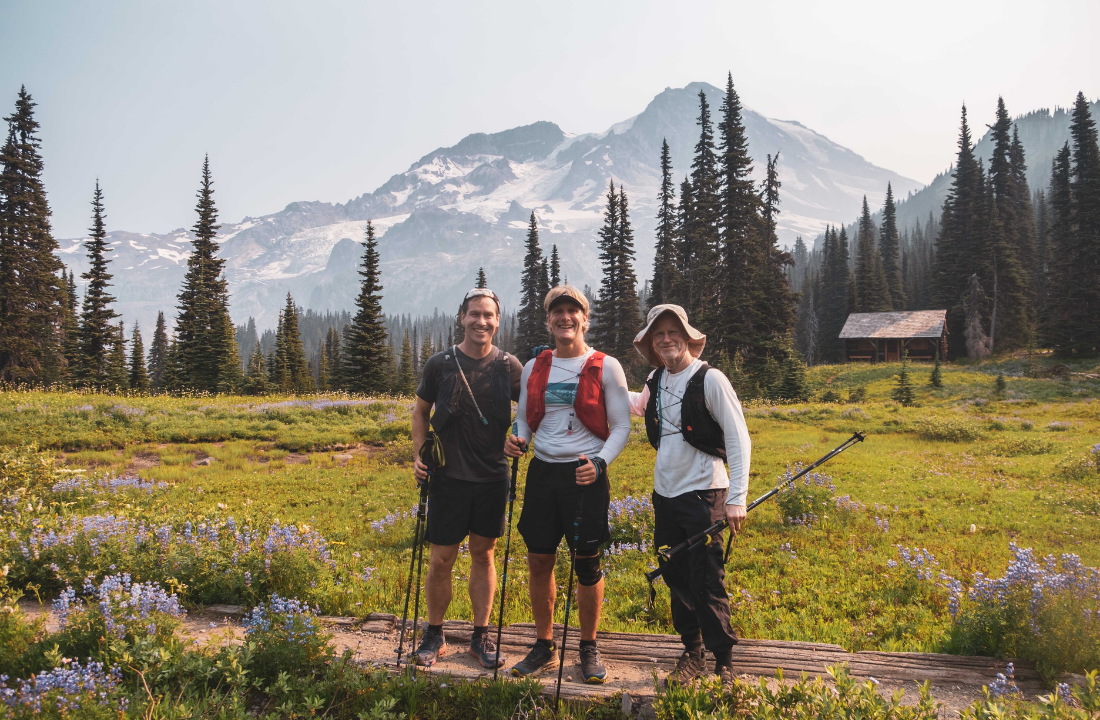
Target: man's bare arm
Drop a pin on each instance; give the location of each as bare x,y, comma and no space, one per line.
421,414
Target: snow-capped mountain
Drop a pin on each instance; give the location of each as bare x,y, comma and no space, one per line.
467,206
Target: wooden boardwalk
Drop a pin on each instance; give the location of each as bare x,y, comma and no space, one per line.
631,656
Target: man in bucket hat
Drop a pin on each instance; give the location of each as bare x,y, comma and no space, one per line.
694,420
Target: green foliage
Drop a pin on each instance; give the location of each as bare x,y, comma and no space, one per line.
96,334
948,429
617,320
366,357
1080,467
857,393
999,385
936,378
903,391
1015,447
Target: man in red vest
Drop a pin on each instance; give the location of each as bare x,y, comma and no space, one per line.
574,404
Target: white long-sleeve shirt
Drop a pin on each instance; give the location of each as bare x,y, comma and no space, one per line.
561,437
681,468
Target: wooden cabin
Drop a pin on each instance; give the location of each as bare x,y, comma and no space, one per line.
883,336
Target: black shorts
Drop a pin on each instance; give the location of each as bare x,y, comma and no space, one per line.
550,508
457,508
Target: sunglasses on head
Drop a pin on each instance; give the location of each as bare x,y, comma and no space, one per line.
481,292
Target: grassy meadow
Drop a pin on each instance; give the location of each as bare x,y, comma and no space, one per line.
961,475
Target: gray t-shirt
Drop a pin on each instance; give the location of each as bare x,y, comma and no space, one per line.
474,451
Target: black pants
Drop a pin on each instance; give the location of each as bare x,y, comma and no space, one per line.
696,580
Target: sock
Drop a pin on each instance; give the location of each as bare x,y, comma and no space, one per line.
693,645
546,643
588,643
723,657
437,629
480,630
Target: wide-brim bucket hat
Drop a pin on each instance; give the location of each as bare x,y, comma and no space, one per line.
643,343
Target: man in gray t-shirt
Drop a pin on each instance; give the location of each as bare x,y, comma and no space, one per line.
471,387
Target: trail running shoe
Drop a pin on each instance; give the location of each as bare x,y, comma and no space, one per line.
592,670
485,650
691,665
432,645
724,673
541,657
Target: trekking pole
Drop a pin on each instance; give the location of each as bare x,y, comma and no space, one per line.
667,554
431,454
507,548
569,592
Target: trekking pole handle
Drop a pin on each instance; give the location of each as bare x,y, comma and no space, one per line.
712,531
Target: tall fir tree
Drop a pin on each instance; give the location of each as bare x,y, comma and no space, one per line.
701,232
171,377
204,332
834,302
32,297
665,267
139,376
117,377
97,330
531,330
889,244
681,282
158,353
366,358
960,246
426,352
872,292
256,378
603,333
773,311
1026,240
331,352
482,281
1082,330
1042,252
744,254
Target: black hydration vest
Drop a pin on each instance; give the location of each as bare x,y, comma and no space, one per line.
451,388
697,425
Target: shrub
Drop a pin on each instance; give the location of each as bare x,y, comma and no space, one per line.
950,429
829,396
286,634
1014,447
857,394
799,503
1081,467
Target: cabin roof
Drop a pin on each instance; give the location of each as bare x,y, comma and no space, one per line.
909,324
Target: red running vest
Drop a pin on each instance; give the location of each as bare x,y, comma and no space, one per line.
589,404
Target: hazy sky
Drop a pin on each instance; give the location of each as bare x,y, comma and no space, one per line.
326,100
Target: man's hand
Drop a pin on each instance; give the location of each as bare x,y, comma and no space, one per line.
515,446
735,515
420,470
587,473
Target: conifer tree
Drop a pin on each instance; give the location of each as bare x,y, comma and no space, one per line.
97,330
744,252
331,352
665,268
482,281
1042,252
999,385
117,377
555,267
426,352
703,220
792,384
977,342
1063,258
405,382
544,277
682,280
834,301
903,388
872,292
139,378
70,332
291,367
773,305
531,330
158,353
365,357
1026,240
936,378
171,378
322,371
617,312
32,295
960,246
806,330
256,380
890,246
205,335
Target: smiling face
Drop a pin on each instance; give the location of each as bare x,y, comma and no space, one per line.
481,320
669,339
568,322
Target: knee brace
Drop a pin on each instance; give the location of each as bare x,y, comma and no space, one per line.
588,570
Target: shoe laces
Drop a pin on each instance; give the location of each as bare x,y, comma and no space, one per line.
590,652
487,644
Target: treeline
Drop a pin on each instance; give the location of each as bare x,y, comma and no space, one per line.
1013,268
